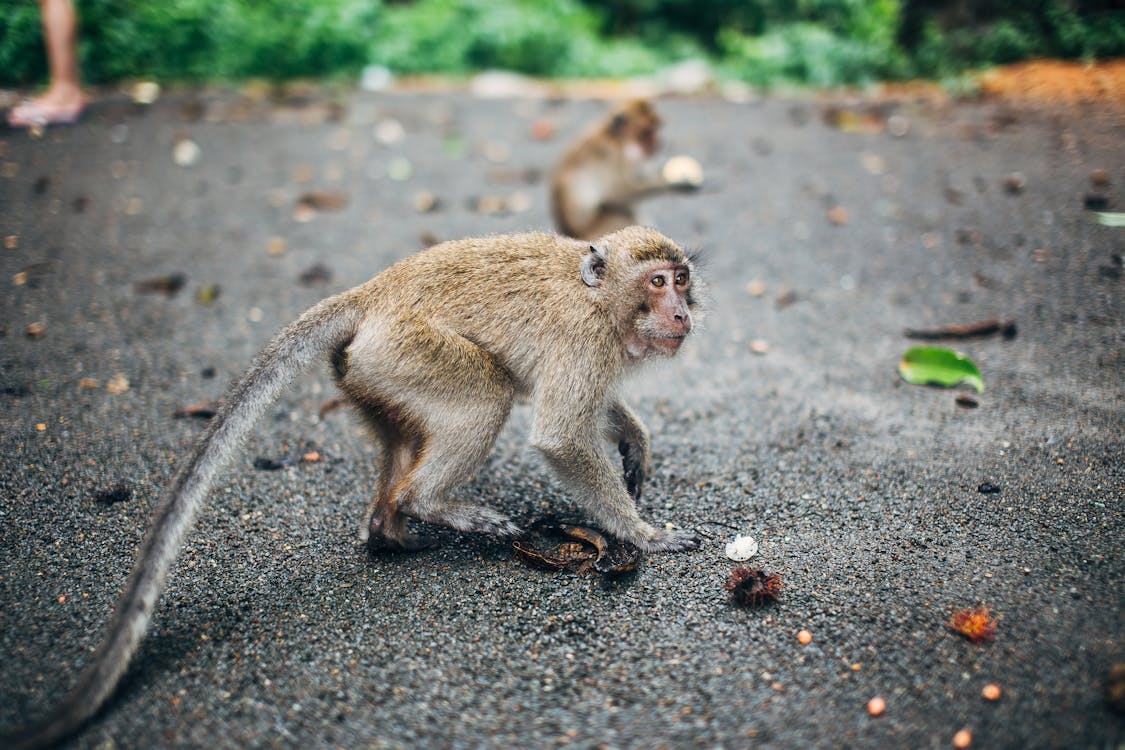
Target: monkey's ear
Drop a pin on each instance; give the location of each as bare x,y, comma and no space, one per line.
593,266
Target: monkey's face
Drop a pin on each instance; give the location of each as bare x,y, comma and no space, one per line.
663,318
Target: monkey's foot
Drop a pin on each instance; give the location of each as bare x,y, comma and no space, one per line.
476,519
407,543
678,540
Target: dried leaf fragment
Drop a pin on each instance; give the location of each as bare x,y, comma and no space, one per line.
323,200
582,550
1005,327
318,273
975,624
168,284
204,409
838,215
753,588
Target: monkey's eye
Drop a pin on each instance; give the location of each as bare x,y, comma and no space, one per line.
681,278
658,281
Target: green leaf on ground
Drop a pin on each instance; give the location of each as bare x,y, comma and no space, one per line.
1110,218
936,365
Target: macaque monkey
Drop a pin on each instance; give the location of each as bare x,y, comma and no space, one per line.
431,353
602,175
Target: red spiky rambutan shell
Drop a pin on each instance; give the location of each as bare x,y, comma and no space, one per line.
753,588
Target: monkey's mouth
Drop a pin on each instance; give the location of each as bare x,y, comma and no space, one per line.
669,341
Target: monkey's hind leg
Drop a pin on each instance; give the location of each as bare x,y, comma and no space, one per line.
437,402
385,526
460,437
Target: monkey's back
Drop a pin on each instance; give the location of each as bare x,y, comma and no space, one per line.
514,296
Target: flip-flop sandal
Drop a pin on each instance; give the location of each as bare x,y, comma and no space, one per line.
31,115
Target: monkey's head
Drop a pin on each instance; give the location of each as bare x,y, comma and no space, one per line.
636,125
649,279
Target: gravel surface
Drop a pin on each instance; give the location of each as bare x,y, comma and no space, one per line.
278,629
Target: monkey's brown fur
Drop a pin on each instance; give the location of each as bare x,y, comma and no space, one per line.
432,352
600,177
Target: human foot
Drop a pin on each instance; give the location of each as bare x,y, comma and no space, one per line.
53,108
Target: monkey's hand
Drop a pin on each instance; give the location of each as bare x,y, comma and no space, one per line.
633,462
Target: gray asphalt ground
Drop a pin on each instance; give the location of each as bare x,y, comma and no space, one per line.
278,629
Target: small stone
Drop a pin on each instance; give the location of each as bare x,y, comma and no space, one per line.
876,706
962,739
36,329
804,637
759,346
991,692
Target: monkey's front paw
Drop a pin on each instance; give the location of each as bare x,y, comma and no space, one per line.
678,540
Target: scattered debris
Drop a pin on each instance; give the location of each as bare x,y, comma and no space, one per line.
876,706
330,405
753,588
991,692
276,246
118,383
965,401
976,624
804,637
168,284
1110,218
318,273
1100,178
759,346
35,330
838,215
204,409
1005,327
1096,201
988,488
263,463
756,288
933,365
1014,183
323,200
785,299
425,201
121,493
207,293
962,739
742,548
88,384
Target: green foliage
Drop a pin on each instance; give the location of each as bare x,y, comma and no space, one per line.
818,42
560,38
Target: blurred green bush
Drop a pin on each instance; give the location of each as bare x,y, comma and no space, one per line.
765,42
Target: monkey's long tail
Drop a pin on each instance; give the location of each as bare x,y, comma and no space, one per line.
318,332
